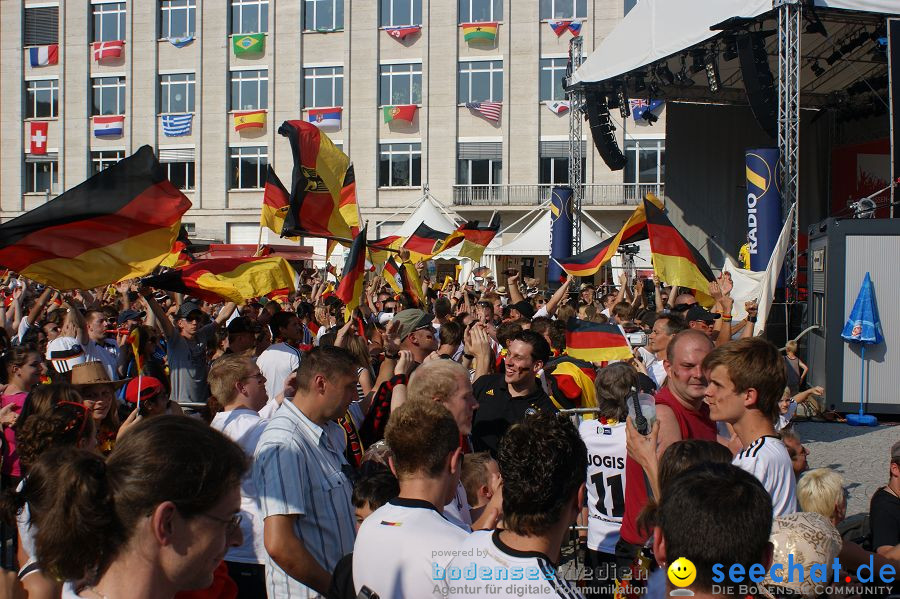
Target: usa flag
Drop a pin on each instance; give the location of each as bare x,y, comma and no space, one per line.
489,110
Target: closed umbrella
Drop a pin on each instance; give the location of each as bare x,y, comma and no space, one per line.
863,327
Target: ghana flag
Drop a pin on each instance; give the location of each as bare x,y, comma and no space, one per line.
390,273
276,202
675,260
483,32
596,341
323,188
353,277
119,224
231,279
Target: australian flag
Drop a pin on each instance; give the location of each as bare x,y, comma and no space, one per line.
640,106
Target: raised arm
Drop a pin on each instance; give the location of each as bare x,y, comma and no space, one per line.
165,325
225,313
512,286
554,302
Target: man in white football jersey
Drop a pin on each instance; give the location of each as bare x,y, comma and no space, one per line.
745,381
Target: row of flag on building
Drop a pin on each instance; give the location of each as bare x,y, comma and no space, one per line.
491,111
42,56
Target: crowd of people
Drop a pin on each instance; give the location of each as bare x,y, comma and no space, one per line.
443,445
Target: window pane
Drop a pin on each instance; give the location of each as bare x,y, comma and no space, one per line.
338,14
496,172
546,9
384,171
462,84
308,98
560,170
323,92
417,12
262,23
416,170
462,172
263,94
647,165
248,173
481,172
416,97
385,12
400,171
385,91
497,83
581,8
481,86
339,90
402,13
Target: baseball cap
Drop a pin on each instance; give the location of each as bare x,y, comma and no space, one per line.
186,308
242,324
698,312
150,388
524,308
126,315
412,320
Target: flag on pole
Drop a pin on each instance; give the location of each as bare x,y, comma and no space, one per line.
477,237
489,110
134,340
179,254
42,56
378,256
230,279
119,224
411,283
353,277
425,242
391,274
480,32
251,43
596,341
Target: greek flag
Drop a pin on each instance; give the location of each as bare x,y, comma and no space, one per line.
176,124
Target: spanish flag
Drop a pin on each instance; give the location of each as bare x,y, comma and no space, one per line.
589,261
353,277
595,341
675,260
323,188
411,283
276,202
230,279
425,242
477,237
119,224
254,119
390,273
377,256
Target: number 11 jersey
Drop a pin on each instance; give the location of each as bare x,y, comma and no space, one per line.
605,482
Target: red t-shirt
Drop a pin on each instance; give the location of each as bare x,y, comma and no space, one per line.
11,465
693,425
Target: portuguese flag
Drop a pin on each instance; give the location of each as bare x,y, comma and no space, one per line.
230,279
403,112
595,341
484,32
119,224
353,276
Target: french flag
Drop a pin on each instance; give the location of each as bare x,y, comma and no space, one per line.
325,118
42,56
109,126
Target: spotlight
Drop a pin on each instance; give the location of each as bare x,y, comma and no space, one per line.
624,108
663,72
730,52
682,78
697,64
817,69
712,72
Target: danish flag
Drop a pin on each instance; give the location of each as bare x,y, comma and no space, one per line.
104,50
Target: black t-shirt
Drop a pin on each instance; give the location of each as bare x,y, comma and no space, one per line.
498,410
884,519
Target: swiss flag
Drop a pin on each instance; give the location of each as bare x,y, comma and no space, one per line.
38,137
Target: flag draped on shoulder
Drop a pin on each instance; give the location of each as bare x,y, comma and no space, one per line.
119,224
353,277
276,202
231,279
323,188
596,341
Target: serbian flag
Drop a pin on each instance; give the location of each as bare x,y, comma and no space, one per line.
391,272
325,118
425,242
179,256
42,56
353,277
589,261
675,260
401,33
119,224
276,201
323,196
105,50
230,279
596,341
411,283
476,237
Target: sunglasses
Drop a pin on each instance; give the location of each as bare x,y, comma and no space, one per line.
231,524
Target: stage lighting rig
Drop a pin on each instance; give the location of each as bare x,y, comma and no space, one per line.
712,71
665,75
817,69
624,107
682,78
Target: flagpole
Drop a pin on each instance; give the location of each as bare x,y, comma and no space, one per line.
259,240
340,239
862,376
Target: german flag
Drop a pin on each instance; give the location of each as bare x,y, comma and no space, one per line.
477,237
411,283
230,279
321,192
353,277
179,256
675,260
595,341
378,256
589,261
425,242
390,273
119,224
276,202
571,383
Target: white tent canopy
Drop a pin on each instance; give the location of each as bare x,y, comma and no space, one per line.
535,240
432,213
655,29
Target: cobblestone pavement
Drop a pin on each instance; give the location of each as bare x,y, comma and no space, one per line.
859,454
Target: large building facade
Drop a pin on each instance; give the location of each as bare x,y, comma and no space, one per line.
179,58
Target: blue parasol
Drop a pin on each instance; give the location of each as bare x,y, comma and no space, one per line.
863,327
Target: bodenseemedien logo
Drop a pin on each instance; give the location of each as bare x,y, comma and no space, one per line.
681,574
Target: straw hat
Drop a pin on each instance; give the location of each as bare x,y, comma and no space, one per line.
93,373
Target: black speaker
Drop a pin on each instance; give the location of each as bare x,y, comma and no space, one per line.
758,81
602,130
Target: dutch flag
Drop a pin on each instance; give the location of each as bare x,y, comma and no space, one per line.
41,56
109,126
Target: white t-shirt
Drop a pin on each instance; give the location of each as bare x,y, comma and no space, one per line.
655,368
244,427
398,546
768,460
605,482
458,511
487,567
96,352
276,364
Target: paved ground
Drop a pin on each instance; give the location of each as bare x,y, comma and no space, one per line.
859,454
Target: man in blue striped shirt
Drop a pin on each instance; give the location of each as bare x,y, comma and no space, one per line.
301,475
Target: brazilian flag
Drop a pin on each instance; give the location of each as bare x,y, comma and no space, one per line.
252,43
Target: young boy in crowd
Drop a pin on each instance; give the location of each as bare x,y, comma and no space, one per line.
480,476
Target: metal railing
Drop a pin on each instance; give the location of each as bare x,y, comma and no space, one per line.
599,194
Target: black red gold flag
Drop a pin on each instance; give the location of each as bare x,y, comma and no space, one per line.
231,279
353,277
596,341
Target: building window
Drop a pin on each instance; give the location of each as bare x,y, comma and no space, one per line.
178,18
563,9
41,176
109,95
323,87
554,162
479,164
400,165
480,11
480,81
249,16
181,174
41,26
42,99
248,167
176,93
104,159
397,13
249,90
109,21
323,15
553,70
401,83
646,161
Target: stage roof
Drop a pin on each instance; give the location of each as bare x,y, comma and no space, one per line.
657,32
